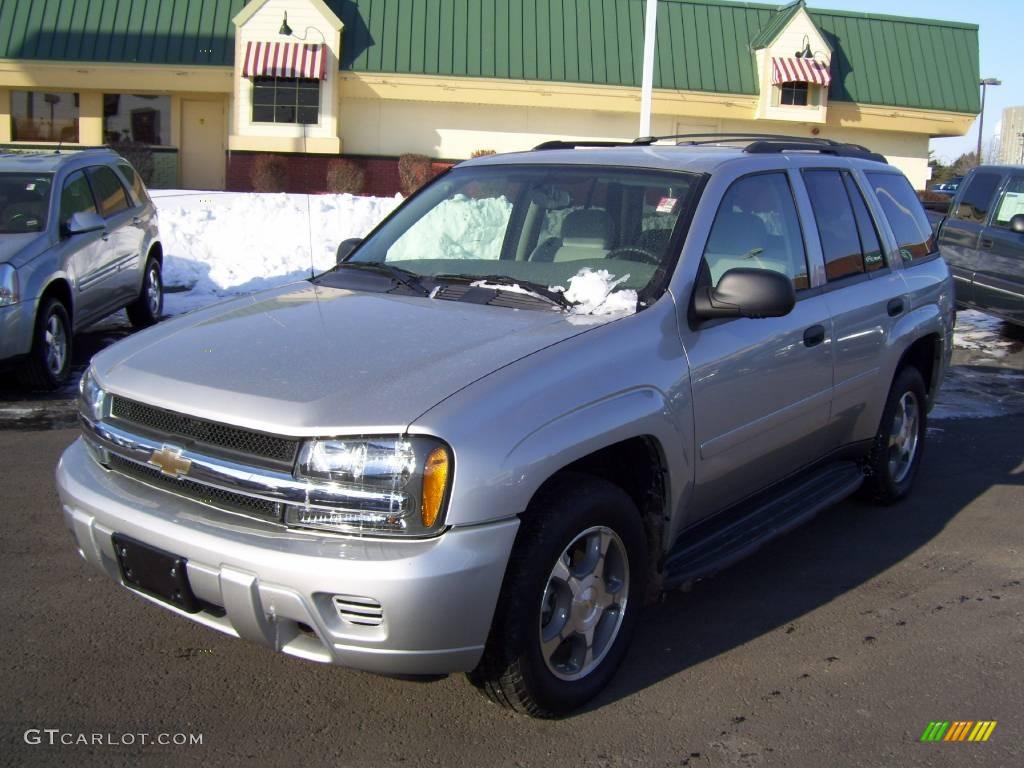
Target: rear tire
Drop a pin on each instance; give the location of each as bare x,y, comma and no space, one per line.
48,366
147,308
573,590
896,452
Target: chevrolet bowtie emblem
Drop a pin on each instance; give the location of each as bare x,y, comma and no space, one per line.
168,459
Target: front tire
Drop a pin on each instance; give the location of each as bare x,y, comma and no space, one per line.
49,362
896,452
572,592
147,308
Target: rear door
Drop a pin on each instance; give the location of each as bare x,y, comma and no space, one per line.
761,388
999,279
865,295
82,256
961,234
123,238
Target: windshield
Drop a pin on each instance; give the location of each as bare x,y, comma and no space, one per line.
541,226
24,201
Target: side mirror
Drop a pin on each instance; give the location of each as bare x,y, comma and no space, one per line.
745,292
346,247
1017,222
84,221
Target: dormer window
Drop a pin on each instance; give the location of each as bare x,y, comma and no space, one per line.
794,94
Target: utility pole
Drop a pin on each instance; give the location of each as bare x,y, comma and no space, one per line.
650,29
981,117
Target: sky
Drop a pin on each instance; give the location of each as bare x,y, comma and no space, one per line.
999,37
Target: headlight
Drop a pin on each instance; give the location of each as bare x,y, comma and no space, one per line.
8,285
391,486
91,398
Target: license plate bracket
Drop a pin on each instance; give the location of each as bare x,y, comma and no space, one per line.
161,574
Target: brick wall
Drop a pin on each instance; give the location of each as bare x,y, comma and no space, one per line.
308,173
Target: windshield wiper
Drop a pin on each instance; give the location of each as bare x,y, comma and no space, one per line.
409,279
555,297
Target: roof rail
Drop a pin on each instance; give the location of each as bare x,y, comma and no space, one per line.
558,144
764,143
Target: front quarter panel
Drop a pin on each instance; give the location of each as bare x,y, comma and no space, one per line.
514,429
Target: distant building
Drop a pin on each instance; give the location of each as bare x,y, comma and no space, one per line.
1011,137
209,85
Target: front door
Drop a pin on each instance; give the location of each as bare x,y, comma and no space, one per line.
762,388
999,280
203,132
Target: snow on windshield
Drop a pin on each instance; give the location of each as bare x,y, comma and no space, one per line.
459,228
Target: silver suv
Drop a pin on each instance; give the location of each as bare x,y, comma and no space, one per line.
549,386
78,241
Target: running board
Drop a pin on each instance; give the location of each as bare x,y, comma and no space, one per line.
710,546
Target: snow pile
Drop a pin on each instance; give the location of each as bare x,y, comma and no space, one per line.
459,228
594,293
222,243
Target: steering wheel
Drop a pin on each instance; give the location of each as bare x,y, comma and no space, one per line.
634,253
15,219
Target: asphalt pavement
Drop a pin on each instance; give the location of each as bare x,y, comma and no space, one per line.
836,645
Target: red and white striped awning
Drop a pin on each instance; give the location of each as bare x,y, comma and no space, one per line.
793,70
308,60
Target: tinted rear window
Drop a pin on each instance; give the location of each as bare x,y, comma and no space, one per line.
110,193
905,215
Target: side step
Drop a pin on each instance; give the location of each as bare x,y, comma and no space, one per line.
711,545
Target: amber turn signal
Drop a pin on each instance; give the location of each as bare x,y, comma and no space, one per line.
435,481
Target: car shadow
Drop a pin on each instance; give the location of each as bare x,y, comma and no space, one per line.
840,550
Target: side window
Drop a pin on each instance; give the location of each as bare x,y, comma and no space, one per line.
840,241
905,215
110,193
75,197
757,226
977,198
135,182
1011,202
871,245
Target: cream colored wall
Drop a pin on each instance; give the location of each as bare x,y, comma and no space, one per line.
454,131
785,45
309,25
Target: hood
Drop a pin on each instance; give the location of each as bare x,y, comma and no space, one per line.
307,359
13,245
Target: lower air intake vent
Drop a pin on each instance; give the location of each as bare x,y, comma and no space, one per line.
362,611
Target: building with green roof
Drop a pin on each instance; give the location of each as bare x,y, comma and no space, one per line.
203,87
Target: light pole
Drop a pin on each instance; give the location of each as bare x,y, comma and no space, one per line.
647,84
981,117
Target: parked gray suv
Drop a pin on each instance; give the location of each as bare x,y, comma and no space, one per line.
78,241
547,387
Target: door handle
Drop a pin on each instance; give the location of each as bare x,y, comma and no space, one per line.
136,220
814,335
894,307
986,242
105,236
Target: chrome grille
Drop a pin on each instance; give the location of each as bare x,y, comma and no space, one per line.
232,502
233,441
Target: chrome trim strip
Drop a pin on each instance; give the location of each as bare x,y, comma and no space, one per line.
238,478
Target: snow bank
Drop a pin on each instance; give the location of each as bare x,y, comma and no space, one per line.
221,243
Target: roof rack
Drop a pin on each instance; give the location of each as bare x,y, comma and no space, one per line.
756,143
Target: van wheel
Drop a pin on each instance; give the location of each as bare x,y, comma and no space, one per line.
569,603
49,362
896,452
146,309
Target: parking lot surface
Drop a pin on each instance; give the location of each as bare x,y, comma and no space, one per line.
836,645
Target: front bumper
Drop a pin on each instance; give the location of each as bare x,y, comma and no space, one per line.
277,586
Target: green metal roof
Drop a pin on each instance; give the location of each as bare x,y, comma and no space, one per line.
702,45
